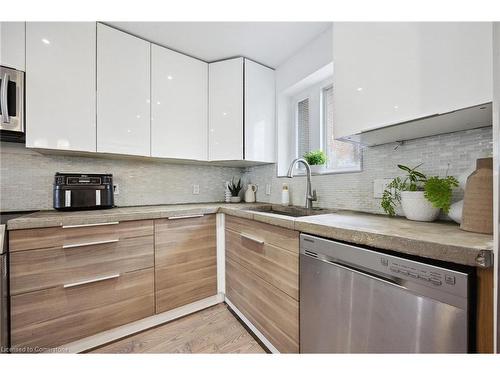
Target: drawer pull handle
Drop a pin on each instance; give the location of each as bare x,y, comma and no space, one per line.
88,243
89,225
184,217
247,237
91,281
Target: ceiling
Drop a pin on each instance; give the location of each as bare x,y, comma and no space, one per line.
270,43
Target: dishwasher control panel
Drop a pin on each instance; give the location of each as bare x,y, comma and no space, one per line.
430,276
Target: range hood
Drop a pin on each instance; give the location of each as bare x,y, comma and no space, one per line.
463,119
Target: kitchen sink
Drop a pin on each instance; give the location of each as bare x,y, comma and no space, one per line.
292,211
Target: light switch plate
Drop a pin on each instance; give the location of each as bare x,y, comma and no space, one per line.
379,185
196,189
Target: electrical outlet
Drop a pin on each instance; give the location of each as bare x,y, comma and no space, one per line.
196,189
268,189
379,185
116,189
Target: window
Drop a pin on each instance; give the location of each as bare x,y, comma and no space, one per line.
313,110
342,156
303,130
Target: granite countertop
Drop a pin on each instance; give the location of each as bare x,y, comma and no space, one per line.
438,240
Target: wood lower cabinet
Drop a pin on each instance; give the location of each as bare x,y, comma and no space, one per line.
185,261
262,278
55,316
79,281
274,313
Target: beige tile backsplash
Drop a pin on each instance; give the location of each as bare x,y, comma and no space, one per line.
26,178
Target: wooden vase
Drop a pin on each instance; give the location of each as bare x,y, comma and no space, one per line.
477,215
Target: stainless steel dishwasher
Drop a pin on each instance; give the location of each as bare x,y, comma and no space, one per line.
355,300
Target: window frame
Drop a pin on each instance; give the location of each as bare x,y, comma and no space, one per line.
318,89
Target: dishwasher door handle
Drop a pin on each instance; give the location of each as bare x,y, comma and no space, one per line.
366,274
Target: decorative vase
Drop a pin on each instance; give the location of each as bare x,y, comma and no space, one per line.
477,214
250,193
235,199
417,207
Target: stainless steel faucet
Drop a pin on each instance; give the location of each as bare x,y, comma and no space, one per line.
310,194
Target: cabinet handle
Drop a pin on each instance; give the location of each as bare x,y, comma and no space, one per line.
91,281
89,243
247,237
3,93
184,217
89,225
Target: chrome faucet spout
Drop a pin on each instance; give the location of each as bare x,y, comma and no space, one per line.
310,194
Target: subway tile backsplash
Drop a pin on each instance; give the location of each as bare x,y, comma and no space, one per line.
455,152
27,177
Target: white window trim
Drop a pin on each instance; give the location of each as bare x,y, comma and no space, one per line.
317,89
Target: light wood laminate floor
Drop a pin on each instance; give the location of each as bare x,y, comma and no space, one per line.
213,330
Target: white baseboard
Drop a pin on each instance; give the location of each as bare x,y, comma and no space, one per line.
257,333
140,325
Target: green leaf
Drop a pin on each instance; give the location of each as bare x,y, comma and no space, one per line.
439,191
317,157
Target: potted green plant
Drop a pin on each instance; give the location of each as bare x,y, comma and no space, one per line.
420,197
235,189
316,159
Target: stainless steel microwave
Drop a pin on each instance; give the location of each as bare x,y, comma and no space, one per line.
11,104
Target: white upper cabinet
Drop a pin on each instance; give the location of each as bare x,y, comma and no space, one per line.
179,109
123,93
260,130
386,73
12,45
225,110
61,85
241,111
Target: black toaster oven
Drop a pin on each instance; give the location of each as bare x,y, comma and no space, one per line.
76,191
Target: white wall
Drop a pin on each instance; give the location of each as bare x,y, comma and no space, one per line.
496,166
313,57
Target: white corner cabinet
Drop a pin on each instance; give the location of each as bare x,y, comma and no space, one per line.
60,85
123,93
387,73
179,105
12,45
241,111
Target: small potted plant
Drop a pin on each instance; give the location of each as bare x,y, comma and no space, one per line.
420,197
316,159
235,189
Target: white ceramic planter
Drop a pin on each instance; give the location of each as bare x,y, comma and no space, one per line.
235,199
417,207
455,212
317,168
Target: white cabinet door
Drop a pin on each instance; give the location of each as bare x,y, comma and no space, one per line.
61,85
179,116
12,45
226,110
386,73
123,93
260,128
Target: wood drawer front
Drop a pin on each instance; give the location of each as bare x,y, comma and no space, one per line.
271,311
40,269
277,266
185,261
55,316
27,239
285,238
